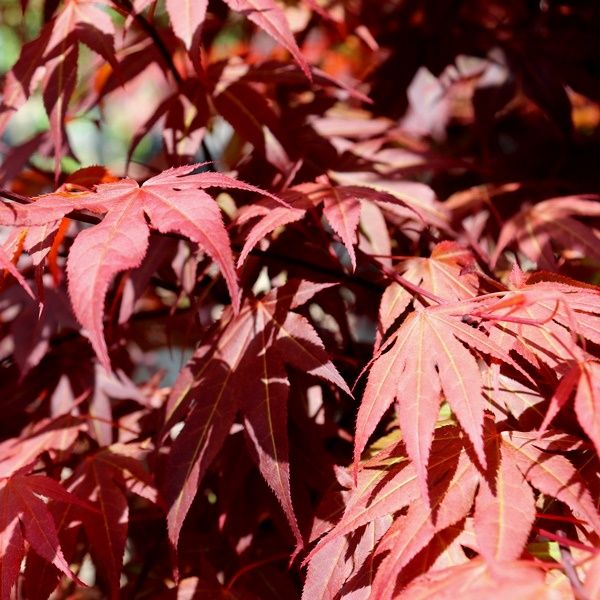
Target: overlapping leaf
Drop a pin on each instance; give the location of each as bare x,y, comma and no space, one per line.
387,484
475,580
342,206
244,369
545,320
412,532
505,509
106,478
500,497
57,48
53,436
445,274
550,226
584,377
186,17
173,201
270,17
428,356
24,517
542,464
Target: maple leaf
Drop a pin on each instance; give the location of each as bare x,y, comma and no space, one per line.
423,359
508,397
25,517
105,478
342,208
185,112
48,435
504,510
412,532
480,387
56,47
270,216
539,230
476,579
270,17
186,17
337,562
386,484
542,464
415,198
173,202
40,323
253,118
380,490
541,319
443,274
244,369
504,505
106,386
585,378
592,581
6,264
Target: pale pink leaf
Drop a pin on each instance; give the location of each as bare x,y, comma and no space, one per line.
118,243
186,17
504,512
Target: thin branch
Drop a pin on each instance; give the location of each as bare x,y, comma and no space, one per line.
568,564
148,28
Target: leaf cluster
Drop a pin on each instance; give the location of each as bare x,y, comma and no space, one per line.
299,300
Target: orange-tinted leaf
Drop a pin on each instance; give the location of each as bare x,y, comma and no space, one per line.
475,580
425,356
504,511
541,463
450,503
88,177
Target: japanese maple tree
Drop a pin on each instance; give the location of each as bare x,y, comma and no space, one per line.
299,299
